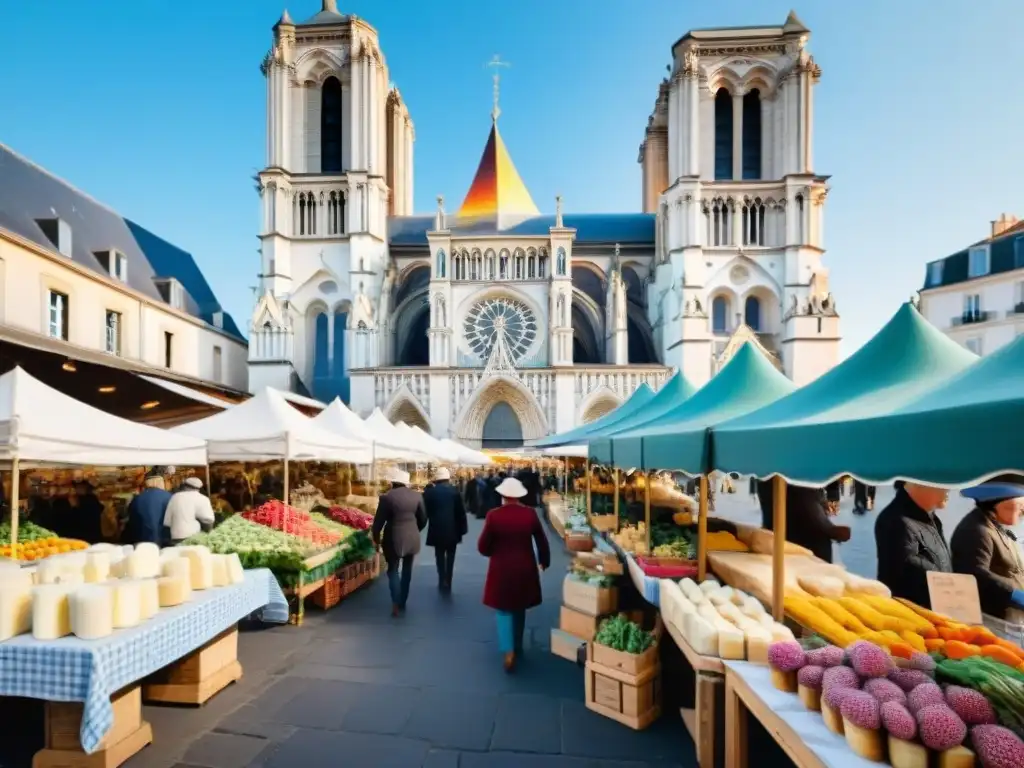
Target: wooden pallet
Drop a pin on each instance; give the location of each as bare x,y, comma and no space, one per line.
199,676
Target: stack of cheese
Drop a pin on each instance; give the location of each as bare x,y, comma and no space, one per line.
720,621
91,594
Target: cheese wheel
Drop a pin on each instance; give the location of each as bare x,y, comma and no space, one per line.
173,591
51,616
20,578
127,549
170,553
127,604
221,578
92,611
236,574
97,566
149,604
15,609
201,562
179,568
141,565
61,571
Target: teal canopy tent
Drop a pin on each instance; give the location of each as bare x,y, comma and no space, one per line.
675,392
640,397
807,436
965,430
678,440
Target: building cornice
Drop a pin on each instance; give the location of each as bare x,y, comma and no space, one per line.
115,285
972,283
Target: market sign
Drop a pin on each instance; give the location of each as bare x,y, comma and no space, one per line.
955,595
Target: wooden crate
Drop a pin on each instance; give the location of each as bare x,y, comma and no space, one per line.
329,595
582,625
200,675
128,734
633,700
590,599
602,522
565,645
628,663
579,542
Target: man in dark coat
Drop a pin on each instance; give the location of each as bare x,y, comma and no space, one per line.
531,481
147,510
984,546
472,495
446,525
910,542
807,523
396,530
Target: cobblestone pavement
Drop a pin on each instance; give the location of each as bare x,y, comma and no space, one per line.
356,687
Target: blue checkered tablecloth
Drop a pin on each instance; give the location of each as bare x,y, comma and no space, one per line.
90,671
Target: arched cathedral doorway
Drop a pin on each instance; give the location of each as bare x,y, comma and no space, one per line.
502,428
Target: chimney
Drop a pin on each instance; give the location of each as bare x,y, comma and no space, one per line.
1003,223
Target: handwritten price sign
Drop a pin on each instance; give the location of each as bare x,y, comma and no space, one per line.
955,595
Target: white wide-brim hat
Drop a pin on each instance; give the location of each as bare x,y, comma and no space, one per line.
194,482
443,474
510,488
396,475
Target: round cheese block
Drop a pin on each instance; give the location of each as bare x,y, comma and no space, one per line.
92,611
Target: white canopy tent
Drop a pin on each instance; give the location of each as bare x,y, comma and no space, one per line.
390,434
467,456
568,451
265,428
433,445
40,425
339,419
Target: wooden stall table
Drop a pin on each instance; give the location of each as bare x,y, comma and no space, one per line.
199,676
297,595
800,733
705,720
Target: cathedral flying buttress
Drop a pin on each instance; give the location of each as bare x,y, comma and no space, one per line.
493,323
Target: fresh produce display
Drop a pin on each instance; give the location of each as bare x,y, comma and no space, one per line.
38,549
581,574
720,621
332,526
27,531
281,517
964,712
258,546
621,634
349,516
577,521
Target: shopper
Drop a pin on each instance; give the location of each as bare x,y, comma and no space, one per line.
188,511
510,534
910,542
147,511
446,525
808,524
396,531
984,546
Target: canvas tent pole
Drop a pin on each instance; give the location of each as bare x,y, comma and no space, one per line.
702,528
208,490
287,450
615,497
647,509
779,549
373,468
589,513
15,488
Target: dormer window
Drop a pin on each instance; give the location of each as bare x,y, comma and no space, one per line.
115,262
58,232
171,291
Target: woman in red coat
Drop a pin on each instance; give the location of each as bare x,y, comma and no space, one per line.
513,578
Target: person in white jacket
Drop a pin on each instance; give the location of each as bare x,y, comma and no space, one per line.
187,511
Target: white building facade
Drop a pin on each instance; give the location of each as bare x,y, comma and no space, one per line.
79,280
495,324
977,295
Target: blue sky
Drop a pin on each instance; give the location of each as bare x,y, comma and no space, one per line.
156,108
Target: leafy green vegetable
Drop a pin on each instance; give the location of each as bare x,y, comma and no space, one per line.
621,634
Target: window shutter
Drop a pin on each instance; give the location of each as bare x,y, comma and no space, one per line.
312,129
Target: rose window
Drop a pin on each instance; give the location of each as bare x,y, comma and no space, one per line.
508,319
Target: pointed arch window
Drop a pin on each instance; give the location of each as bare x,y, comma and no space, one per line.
330,126
560,259
441,263
752,135
719,314
752,313
723,135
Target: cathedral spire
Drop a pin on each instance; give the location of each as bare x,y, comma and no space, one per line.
496,64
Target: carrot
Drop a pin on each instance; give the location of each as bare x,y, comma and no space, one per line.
901,650
1000,654
958,649
984,636
1010,646
948,634
937,644
935,618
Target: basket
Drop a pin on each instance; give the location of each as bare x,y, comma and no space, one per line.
329,595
